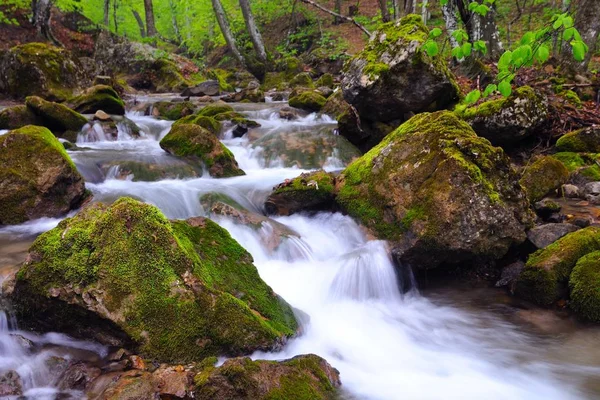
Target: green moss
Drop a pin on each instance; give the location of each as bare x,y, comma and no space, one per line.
148,172
583,140
572,98
547,271
212,110
275,80
302,192
571,161
542,176
197,143
140,261
174,110
168,78
17,117
492,107
582,165
56,117
303,79
223,77
310,101
326,80
585,287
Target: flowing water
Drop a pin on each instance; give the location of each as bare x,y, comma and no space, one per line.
443,343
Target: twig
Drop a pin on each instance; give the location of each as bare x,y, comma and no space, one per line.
320,7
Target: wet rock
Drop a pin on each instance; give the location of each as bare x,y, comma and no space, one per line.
313,191
251,95
172,110
138,171
325,91
510,274
438,192
544,235
309,101
583,284
546,275
10,384
173,382
196,143
546,207
101,116
239,130
37,177
585,140
288,113
542,176
326,80
103,80
303,79
205,99
278,96
592,192
206,88
392,76
507,121
61,120
128,385
99,97
305,148
78,376
146,276
18,117
570,191
244,379
22,341
39,69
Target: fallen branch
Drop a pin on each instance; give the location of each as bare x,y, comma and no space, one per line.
320,7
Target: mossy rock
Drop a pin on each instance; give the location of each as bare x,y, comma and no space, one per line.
309,101
542,176
237,118
37,177
99,97
39,69
585,287
582,166
60,119
303,79
139,171
442,194
223,77
325,80
208,123
178,290
212,110
507,121
313,191
572,98
167,77
585,140
275,80
306,148
173,110
393,77
17,117
546,275
304,377
198,144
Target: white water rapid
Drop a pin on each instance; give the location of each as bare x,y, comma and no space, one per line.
386,345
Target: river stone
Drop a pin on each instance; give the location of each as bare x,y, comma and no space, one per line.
37,177
585,140
125,275
507,121
302,377
392,76
18,117
543,175
313,191
39,69
10,384
441,194
583,284
99,97
206,88
60,119
570,191
544,235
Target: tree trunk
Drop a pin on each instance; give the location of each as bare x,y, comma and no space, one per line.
338,9
587,22
485,28
451,20
106,12
385,13
140,22
115,16
424,11
174,21
253,31
150,26
224,25
41,19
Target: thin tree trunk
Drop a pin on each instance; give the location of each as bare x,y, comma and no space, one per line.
424,11
338,9
486,29
140,23
224,25
41,19
253,31
115,16
451,20
385,13
174,21
397,9
150,25
106,12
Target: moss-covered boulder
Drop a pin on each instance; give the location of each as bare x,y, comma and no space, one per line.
60,119
392,76
584,167
585,287
276,81
208,123
303,79
215,109
507,121
198,144
174,290
546,275
585,140
305,377
309,101
248,95
313,191
167,77
37,177
439,192
39,69
172,110
542,176
305,148
99,97
325,80
18,116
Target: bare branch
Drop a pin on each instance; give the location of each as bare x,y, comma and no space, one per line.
320,7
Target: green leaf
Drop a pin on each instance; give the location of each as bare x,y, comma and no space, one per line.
558,23
443,2
568,22
528,38
491,88
473,5
466,49
505,88
579,50
482,9
505,60
431,48
457,53
472,97
435,32
568,34
542,54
